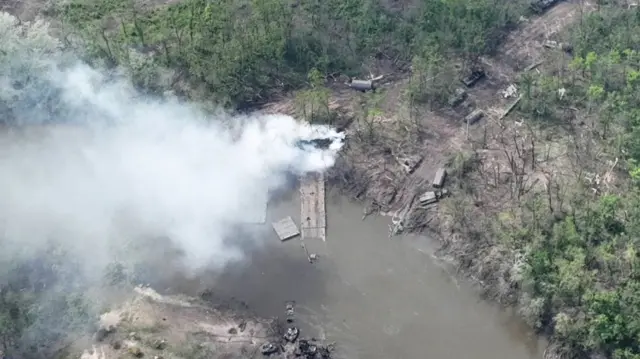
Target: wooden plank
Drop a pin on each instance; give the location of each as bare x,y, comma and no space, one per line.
285,228
312,207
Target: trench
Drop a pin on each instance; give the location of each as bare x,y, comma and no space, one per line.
375,297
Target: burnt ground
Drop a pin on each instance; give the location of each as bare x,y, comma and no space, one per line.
436,135
147,324
369,168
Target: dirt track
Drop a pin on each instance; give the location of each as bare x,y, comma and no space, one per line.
441,133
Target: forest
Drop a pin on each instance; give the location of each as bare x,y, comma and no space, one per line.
565,254
246,52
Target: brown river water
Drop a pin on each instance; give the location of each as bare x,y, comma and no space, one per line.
375,297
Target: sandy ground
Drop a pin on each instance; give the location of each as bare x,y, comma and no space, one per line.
159,326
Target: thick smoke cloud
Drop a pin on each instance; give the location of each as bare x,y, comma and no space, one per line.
99,182
95,166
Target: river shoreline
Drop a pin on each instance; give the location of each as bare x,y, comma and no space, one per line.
373,296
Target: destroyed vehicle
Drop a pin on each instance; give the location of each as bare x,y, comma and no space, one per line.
268,348
428,198
431,197
292,334
474,77
322,143
459,95
307,349
474,116
540,6
550,44
289,309
438,179
362,85
290,312
443,193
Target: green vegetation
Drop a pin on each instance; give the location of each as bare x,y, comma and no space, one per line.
42,303
568,251
562,246
244,52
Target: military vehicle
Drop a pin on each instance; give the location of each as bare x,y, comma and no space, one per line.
268,348
540,6
292,334
474,77
307,349
458,96
289,309
474,116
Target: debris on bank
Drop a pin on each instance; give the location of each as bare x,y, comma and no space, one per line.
510,91
291,345
408,162
412,216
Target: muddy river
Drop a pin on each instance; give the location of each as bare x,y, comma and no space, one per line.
377,298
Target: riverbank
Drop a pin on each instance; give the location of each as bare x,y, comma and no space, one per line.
500,170
542,210
371,296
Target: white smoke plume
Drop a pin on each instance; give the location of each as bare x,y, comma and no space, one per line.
109,166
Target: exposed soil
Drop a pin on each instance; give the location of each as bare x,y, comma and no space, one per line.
370,167
152,325
177,327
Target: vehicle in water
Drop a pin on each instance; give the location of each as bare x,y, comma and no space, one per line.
268,348
290,311
291,334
